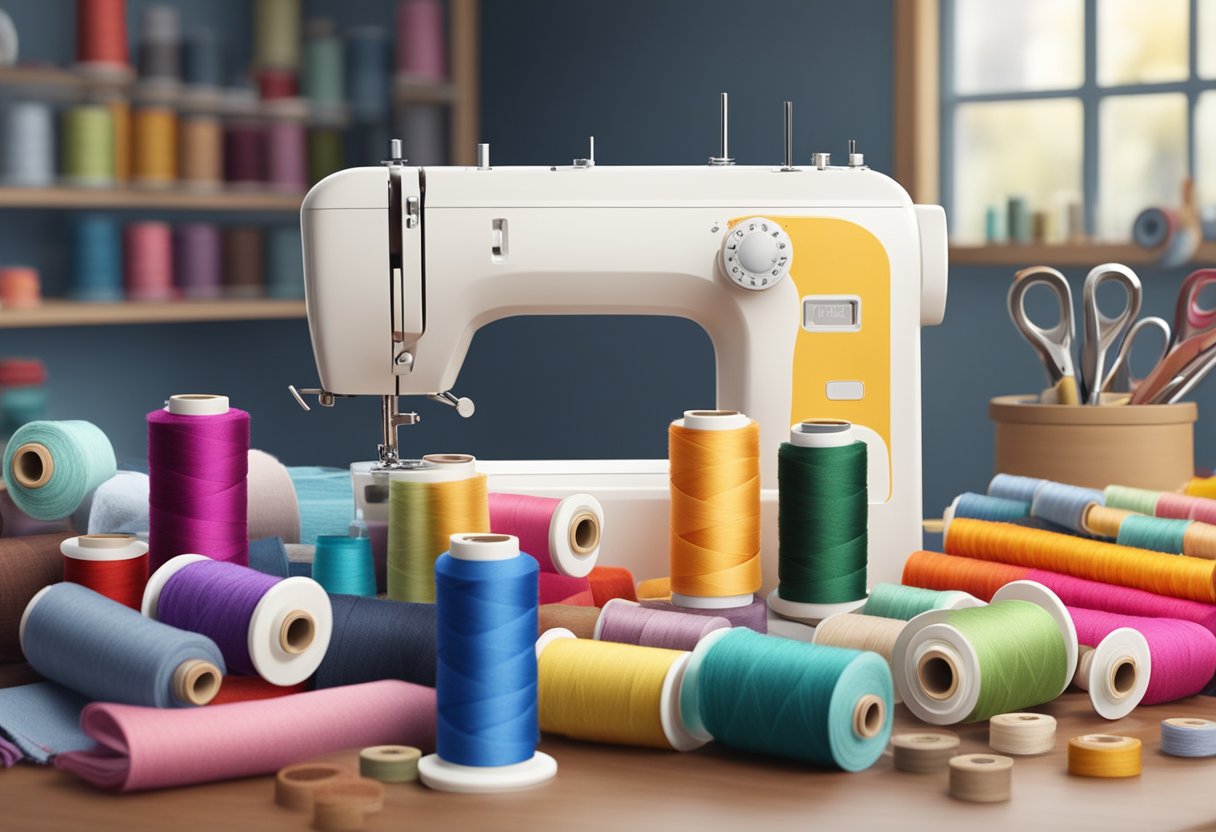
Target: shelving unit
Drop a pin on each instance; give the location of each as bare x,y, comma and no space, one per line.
1065,254
69,198
69,313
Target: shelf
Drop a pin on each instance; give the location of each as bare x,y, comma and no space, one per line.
148,198
1065,254
69,313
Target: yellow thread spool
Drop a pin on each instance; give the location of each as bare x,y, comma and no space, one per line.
1104,755
620,694
154,160
715,508
1103,521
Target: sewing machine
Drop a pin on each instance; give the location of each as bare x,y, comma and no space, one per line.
811,280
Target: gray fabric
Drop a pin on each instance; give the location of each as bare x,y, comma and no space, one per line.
40,721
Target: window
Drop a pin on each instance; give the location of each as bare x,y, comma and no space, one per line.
1088,110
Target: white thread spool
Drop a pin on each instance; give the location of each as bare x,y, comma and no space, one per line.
1022,734
1116,672
274,510
29,144
925,752
981,778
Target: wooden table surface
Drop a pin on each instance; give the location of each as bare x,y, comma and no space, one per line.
613,788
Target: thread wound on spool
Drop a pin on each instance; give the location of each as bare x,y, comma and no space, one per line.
1104,755
907,602
390,763
629,623
422,518
1022,733
981,778
1065,505
63,462
924,752
1188,737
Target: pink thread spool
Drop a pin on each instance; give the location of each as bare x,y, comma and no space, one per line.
286,157
562,535
754,616
149,264
1176,506
197,257
629,623
420,39
562,589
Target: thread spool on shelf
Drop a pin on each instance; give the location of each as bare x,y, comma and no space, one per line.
20,287
244,259
154,135
981,778
1188,737
96,260
101,36
149,265
29,144
197,260
112,565
562,534
1104,755
88,146
49,467
202,152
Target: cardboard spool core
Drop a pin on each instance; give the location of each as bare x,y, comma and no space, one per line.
937,674
486,538
584,533
297,633
196,681
713,413
105,541
1123,677
33,465
448,459
869,715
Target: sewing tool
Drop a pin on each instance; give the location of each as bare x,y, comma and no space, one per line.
1186,361
1188,737
563,535
343,565
324,66
390,763
27,564
29,144
375,638
1022,734
981,778
486,680
369,65
753,616
243,261
278,629
160,45
285,262
154,135
112,565
1064,505
198,460
1104,755
49,467
963,665
149,263
862,632
196,265
827,706
926,752
276,26
20,287
621,694
627,622
582,621
427,505
420,39
92,645
341,807
88,145
987,507
907,602
295,786
101,35
285,157
243,739
95,274
202,152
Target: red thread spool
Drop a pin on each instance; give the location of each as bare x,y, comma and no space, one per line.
113,565
608,582
22,372
274,84
149,262
101,34
20,287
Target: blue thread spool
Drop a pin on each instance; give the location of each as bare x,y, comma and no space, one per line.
343,565
1012,487
96,260
1188,737
324,66
986,507
28,145
375,638
369,61
50,467
1065,505
485,683
285,264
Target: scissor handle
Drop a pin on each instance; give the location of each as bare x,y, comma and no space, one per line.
1103,331
1190,317
1119,378
1053,344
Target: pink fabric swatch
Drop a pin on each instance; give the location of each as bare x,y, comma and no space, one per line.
149,748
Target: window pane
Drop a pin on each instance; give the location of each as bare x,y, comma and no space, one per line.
1205,148
1142,157
1142,42
1013,46
1207,39
1015,148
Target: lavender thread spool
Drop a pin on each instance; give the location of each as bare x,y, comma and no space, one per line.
197,253
286,156
754,616
630,623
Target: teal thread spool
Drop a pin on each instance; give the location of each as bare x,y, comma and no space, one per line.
1161,534
828,706
50,467
344,566
821,522
324,66
1139,500
968,665
907,602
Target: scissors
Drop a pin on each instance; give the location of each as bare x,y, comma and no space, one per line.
1191,350
1191,318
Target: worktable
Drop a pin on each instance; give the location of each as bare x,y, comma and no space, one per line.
614,788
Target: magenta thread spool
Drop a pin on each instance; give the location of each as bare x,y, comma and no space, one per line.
149,261
286,156
420,40
198,463
630,623
245,155
197,257
754,616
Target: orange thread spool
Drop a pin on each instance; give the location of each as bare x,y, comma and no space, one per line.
715,505
1177,576
608,582
932,570
154,161
20,287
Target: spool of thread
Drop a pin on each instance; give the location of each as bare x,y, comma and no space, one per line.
1139,500
379,639
253,689
421,40
626,622
198,461
965,666
343,806
277,33
390,763
160,45
826,706
1154,227
862,632
1178,575
96,260
203,58
101,35
117,506
88,145
558,589
103,650
981,778
1022,734
1183,506
27,564
1017,219
821,522
427,505
582,621
1116,671
243,261
284,263
1104,755
368,55
620,694
202,152
326,500
343,565
1188,737
753,616
907,602
925,752
49,467
715,509
608,582
985,507
286,156
1013,487
278,84
149,263
20,406
278,629
1065,505
29,144
1156,533
244,155
324,66
563,535
296,785
120,117
197,261
325,153
21,372
20,287
112,565
154,161
1103,521
486,680
424,132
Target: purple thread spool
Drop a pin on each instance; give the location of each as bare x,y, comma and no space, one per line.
754,616
276,628
630,623
198,462
286,157
245,155
197,253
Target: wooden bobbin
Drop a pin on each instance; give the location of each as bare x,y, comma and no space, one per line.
1104,755
32,465
981,778
869,716
925,752
343,806
1022,734
196,682
297,632
390,763
295,786
584,533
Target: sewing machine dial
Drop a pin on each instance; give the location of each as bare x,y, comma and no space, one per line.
757,253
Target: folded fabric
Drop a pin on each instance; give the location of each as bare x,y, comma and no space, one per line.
146,748
39,721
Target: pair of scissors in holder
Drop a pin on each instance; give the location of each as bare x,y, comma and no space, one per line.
1192,350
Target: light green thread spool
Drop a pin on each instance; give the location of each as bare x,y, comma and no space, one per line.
50,467
1160,534
907,602
1139,500
390,763
88,145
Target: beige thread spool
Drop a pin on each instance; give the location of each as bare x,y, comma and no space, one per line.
1104,755
1022,734
925,752
202,152
342,806
981,778
295,785
390,763
1199,540
862,632
120,113
1104,521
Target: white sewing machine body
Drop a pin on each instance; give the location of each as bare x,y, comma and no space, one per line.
838,338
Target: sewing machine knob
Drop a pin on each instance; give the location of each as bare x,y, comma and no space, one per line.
757,253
